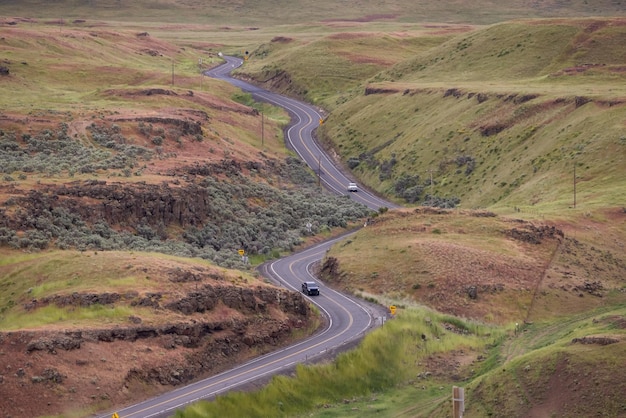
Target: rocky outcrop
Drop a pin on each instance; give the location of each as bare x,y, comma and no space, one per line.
128,204
248,300
535,234
215,353
120,204
595,340
256,327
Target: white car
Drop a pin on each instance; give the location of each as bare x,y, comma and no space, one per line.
352,187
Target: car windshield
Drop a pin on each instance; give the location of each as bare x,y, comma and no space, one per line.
311,284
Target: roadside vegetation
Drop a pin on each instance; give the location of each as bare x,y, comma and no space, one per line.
504,138
389,357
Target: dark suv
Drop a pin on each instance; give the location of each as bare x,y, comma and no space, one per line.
310,288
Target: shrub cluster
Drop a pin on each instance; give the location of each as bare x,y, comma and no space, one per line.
467,161
441,202
52,152
244,214
278,219
409,188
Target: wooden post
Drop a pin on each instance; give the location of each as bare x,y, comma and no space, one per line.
458,402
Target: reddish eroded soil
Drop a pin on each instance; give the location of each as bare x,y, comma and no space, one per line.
80,370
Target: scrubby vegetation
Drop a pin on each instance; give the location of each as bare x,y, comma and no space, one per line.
242,213
53,152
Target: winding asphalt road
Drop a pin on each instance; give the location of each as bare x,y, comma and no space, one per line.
348,318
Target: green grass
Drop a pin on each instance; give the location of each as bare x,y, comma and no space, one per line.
526,92
496,386
330,70
24,278
550,354
387,358
74,316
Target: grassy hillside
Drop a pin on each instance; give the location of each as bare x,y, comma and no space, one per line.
408,368
28,277
330,70
498,117
269,12
495,120
113,145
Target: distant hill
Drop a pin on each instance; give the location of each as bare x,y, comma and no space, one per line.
273,12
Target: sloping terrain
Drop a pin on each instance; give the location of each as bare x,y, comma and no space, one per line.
105,169
89,331
477,265
494,120
125,147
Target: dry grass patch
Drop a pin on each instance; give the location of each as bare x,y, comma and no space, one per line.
38,281
489,268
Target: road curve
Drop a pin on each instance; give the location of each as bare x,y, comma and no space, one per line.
304,120
348,318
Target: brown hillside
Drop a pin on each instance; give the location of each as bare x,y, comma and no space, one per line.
185,321
474,264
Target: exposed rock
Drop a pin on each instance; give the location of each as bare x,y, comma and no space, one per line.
52,342
214,354
593,288
149,299
595,340
490,130
330,268
82,299
535,234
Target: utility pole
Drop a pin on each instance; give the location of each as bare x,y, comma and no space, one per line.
319,170
262,130
172,71
201,73
574,185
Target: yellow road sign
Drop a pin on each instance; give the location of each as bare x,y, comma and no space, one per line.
241,252
392,309
115,415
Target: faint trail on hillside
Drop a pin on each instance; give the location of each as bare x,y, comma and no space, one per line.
527,341
514,347
557,251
